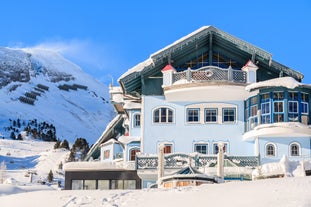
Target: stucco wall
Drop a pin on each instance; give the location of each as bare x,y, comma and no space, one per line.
183,135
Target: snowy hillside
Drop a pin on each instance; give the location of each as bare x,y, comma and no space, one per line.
28,162
41,85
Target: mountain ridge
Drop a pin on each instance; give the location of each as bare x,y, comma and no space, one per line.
41,84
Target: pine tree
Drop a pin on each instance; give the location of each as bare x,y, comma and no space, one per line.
65,144
57,144
60,166
50,176
12,135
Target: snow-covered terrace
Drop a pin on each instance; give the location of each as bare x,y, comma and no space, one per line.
279,130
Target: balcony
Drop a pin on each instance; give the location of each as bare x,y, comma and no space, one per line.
209,74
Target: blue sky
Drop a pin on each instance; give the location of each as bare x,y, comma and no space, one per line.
106,38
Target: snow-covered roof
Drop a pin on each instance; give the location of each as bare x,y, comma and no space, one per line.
287,82
137,68
91,166
183,50
131,105
128,139
283,129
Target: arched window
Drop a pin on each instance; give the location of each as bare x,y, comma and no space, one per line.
132,153
270,150
136,120
294,149
163,115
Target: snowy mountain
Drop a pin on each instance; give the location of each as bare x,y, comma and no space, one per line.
50,96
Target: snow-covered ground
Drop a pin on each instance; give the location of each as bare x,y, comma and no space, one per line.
278,192
39,157
29,161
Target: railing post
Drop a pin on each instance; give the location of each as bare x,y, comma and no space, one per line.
230,75
188,74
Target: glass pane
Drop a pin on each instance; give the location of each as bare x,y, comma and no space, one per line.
103,184
211,115
278,118
129,184
278,107
77,184
254,110
170,116
265,97
193,115
156,116
278,95
163,115
293,107
265,108
89,185
293,96
304,108
304,97
116,184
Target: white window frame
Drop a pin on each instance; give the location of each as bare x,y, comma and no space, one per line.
266,149
223,115
265,114
201,144
160,115
305,103
135,120
187,115
166,144
226,145
216,115
293,112
130,150
290,149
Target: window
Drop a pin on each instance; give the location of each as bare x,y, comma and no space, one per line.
304,103
265,113
278,96
270,150
89,185
132,153
106,154
193,115
116,184
129,184
265,97
210,115
167,148
293,96
163,115
294,149
228,115
293,111
136,120
103,184
201,148
215,148
278,111
77,184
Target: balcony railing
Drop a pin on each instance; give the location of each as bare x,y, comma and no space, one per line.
211,73
179,161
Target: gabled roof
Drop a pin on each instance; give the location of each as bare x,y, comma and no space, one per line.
211,41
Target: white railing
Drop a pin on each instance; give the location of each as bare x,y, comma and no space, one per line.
211,73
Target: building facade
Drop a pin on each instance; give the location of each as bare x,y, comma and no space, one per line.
207,87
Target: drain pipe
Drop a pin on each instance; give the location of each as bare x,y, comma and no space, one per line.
220,161
160,164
